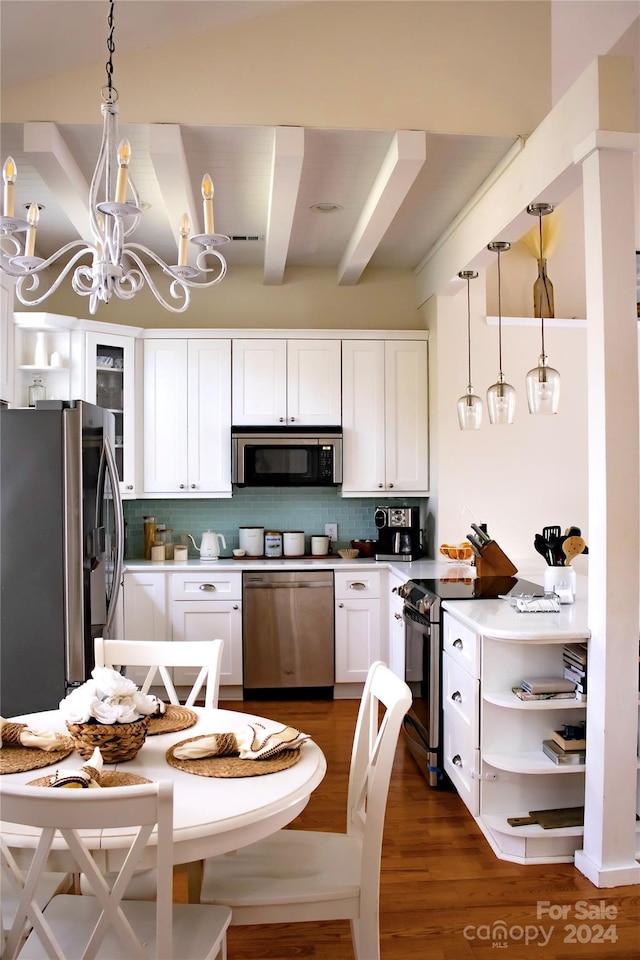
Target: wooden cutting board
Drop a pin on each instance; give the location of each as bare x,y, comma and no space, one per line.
550,819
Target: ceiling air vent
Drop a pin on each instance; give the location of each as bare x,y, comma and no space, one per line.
237,236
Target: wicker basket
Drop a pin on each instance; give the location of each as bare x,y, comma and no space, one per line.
117,741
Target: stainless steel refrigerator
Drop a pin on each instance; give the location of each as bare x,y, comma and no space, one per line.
61,548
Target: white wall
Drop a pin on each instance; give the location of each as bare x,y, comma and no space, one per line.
516,478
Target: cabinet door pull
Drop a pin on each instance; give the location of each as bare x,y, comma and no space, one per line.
457,760
357,585
457,643
182,486
236,606
380,486
129,486
193,486
456,697
340,606
207,586
390,486
398,616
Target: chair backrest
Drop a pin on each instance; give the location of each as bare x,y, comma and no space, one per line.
158,655
385,701
66,813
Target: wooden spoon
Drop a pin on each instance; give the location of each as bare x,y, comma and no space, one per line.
573,547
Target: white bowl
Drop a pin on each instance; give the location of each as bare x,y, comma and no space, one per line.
239,553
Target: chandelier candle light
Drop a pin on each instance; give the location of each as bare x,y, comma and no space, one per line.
501,397
543,382
114,265
470,405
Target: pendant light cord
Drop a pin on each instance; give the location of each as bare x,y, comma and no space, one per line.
469,326
499,317
546,288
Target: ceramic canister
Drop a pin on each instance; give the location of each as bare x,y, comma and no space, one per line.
293,543
273,543
252,540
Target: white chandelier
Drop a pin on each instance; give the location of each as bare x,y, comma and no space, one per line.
116,266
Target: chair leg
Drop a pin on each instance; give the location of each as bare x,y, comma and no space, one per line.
365,934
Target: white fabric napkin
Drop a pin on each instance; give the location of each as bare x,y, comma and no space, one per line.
254,741
87,776
14,734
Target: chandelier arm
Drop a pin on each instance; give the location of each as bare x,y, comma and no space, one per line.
177,289
34,279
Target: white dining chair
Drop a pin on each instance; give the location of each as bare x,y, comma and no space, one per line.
302,875
49,885
158,655
104,925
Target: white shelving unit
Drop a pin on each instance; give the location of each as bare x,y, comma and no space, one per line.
56,334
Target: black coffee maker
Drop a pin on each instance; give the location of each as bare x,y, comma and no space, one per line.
398,533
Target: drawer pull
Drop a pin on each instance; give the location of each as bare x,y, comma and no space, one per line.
398,616
456,697
457,760
357,585
207,586
457,643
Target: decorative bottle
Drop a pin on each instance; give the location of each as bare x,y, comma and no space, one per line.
40,355
543,293
36,392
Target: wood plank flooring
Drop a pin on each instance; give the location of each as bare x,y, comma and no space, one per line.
439,877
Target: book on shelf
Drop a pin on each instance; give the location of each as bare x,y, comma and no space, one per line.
562,757
570,743
548,685
526,695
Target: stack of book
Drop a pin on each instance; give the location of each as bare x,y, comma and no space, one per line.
567,745
574,657
546,688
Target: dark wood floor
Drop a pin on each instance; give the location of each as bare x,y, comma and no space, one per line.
439,875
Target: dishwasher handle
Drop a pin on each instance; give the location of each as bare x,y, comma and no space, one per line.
287,585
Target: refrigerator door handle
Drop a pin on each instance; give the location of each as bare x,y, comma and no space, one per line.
119,535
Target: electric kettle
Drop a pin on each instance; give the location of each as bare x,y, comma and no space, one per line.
209,548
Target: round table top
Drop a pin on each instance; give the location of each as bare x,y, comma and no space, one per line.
211,815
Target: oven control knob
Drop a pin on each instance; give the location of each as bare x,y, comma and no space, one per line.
423,605
404,590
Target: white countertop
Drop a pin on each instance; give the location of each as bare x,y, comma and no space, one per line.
494,618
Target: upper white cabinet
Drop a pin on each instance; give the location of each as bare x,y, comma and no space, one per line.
6,339
187,417
110,382
385,417
293,382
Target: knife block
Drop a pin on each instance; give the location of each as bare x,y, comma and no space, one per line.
494,562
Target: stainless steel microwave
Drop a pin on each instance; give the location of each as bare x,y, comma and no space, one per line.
292,457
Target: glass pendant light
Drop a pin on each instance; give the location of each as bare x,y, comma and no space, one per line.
501,397
543,382
470,405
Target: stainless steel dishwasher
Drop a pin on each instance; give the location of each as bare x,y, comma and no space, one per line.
288,631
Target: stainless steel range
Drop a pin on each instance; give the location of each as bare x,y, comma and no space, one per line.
422,615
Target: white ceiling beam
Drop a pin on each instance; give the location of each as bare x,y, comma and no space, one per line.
169,161
286,171
402,164
57,168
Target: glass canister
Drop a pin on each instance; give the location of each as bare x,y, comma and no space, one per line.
36,392
272,543
149,535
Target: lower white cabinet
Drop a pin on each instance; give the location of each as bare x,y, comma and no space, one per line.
208,606
358,638
396,627
203,605
493,741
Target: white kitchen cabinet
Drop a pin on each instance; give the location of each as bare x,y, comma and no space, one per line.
6,339
385,417
396,626
110,382
145,611
358,634
47,350
295,382
208,606
508,774
187,417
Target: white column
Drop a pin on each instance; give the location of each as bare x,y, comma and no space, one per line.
608,857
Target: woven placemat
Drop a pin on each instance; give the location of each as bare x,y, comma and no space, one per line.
110,778
174,718
21,759
229,766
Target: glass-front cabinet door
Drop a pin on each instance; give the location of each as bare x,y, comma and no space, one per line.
110,382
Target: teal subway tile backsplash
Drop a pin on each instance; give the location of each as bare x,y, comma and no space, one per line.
273,508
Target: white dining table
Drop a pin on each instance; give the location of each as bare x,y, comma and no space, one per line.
211,815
